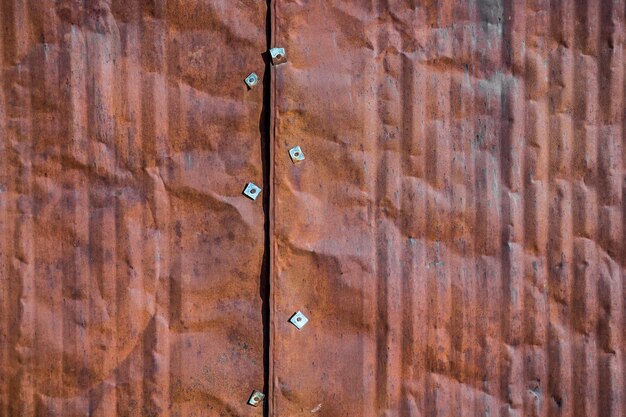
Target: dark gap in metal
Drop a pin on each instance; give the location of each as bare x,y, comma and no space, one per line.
265,135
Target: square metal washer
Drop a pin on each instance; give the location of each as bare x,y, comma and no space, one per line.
278,55
299,319
252,80
252,191
296,154
256,398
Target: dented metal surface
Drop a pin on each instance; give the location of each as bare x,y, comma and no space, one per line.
457,230
455,236
130,260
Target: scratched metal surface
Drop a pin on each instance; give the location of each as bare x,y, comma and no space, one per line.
129,260
456,233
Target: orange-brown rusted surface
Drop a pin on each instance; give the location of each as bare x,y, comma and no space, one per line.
130,261
455,234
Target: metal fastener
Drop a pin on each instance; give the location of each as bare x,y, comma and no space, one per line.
252,80
252,191
299,320
278,55
256,398
296,154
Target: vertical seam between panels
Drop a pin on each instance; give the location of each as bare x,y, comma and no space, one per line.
272,5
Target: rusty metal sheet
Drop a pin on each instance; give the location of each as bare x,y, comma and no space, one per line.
129,258
455,235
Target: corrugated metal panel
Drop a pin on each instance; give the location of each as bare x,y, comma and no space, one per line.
130,261
456,233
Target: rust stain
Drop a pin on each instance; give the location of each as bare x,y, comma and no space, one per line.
455,234
129,259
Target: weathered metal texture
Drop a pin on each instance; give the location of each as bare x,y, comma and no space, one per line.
129,259
455,235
